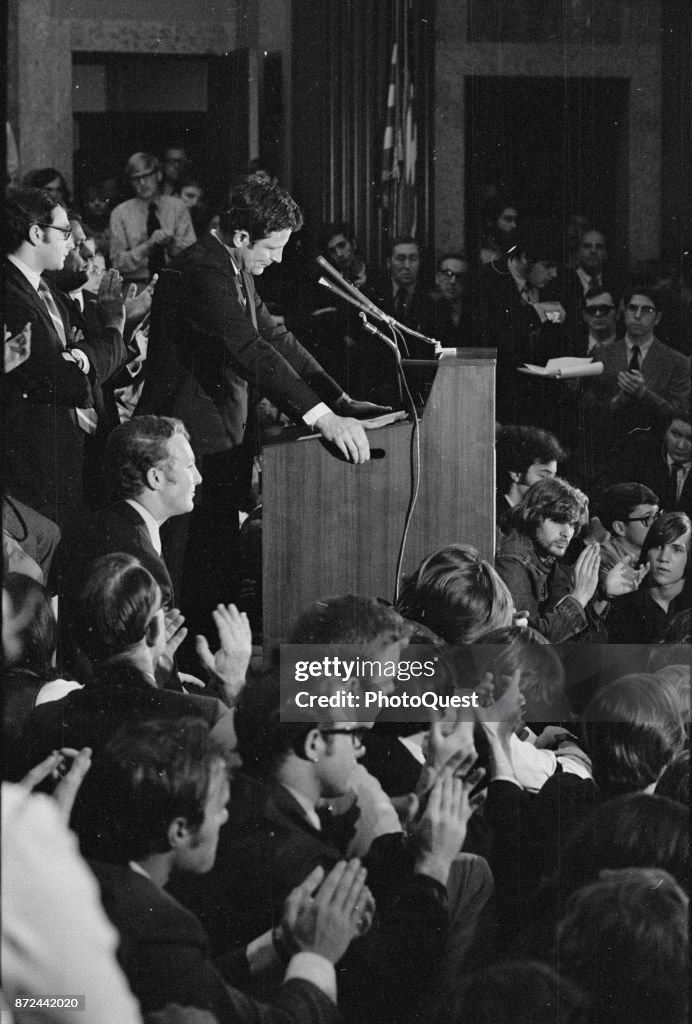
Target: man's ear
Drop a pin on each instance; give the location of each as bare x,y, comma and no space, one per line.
657,318
151,633
313,746
618,528
241,239
178,833
35,234
154,478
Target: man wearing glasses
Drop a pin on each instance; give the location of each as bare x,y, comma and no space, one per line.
148,230
627,511
452,313
49,400
600,313
644,384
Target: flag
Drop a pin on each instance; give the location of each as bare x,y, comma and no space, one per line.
399,150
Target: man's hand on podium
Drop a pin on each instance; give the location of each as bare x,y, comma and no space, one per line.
346,406
346,434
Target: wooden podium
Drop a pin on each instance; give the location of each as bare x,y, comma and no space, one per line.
332,528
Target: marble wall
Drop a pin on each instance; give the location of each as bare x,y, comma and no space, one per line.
636,58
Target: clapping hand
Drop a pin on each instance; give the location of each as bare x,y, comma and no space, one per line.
109,300
323,915
623,578
230,663
68,767
440,830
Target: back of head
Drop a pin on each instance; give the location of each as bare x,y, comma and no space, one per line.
22,209
456,594
675,781
42,177
152,773
257,206
114,607
351,619
623,939
540,239
637,830
268,729
135,447
31,622
616,503
522,992
503,652
552,498
633,727
518,448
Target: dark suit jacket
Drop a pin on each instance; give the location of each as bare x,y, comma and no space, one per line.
667,376
44,445
163,952
268,846
205,347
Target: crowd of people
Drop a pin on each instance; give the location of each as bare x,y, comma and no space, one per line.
182,841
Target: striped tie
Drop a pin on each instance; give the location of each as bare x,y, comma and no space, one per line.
53,311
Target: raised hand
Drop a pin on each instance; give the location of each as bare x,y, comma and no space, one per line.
109,300
441,829
323,915
69,767
230,663
623,579
586,574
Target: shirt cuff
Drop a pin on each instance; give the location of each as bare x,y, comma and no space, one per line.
312,415
261,954
81,359
316,969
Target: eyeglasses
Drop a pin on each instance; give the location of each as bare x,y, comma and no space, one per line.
599,310
357,735
453,275
66,232
644,310
647,521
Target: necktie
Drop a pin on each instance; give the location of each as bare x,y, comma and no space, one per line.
50,304
674,471
401,304
157,256
634,358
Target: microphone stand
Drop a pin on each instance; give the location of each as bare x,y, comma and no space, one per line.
369,307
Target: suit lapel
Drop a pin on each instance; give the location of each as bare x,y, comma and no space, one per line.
37,303
250,292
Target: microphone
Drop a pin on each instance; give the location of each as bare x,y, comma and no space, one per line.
362,301
343,295
366,306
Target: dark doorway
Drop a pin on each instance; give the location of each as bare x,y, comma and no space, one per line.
147,103
556,145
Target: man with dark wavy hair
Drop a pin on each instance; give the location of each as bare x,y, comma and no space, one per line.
211,338
561,601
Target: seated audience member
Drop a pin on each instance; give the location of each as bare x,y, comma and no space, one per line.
121,634
49,399
644,384
666,467
643,617
451,305
587,274
624,940
627,511
192,194
148,230
599,313
561,600
152,476
51,181
638,830
500,216
164,800
633,729
523,455
456,594
275,837
521,992
339,247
